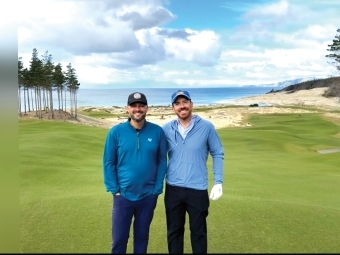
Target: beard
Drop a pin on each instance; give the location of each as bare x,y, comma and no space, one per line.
184,115
138,119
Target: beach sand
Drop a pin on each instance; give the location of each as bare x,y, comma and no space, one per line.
306,101
233,114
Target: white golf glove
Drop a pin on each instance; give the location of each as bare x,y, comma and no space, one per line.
216,192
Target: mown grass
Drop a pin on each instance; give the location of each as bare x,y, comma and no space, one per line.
280,194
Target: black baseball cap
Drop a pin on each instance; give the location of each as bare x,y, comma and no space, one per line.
137,97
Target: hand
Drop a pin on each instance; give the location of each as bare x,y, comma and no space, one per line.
216,192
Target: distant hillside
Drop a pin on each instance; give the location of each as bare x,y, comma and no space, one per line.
333,85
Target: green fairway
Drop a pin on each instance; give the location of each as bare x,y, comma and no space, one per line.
279,194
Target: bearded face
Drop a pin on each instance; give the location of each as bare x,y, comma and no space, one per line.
137,111
182,107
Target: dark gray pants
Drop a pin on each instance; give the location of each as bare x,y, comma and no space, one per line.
179,201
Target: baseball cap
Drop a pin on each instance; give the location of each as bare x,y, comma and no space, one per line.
180,93
137,97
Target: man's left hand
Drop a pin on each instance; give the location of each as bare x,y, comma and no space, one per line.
216,192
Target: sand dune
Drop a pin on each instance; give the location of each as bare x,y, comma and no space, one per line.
308,101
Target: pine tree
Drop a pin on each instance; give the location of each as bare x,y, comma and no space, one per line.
48,68
335,55
335,49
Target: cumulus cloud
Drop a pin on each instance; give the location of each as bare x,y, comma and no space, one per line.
123,30
121,41
201,47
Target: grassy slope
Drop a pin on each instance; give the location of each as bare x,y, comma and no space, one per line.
63,201
332,83
280,195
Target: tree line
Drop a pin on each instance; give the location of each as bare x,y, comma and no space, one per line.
39,80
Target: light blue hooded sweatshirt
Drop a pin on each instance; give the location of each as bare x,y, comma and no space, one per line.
187,158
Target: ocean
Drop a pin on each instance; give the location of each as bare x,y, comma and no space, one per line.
160,96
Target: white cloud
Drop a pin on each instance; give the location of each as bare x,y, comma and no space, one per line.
202,48
277,9
115,42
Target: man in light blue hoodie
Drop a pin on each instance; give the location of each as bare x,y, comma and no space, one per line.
190,139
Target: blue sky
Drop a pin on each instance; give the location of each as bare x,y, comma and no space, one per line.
182,43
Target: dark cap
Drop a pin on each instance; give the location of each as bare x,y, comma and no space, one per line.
180,93
137,97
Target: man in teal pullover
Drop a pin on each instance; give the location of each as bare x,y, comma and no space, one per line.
134,163
190,139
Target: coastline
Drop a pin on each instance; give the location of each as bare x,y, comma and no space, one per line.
233,114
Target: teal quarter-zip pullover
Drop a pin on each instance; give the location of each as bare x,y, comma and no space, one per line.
135,161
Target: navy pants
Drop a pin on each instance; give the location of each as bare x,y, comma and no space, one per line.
123,212
179,201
